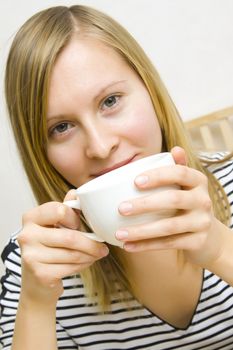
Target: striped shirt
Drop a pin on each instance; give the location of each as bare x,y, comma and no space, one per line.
81,325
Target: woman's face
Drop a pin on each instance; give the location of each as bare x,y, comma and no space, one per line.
100,115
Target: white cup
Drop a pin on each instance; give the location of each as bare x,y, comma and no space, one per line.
100,198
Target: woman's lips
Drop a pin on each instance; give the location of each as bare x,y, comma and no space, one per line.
115,166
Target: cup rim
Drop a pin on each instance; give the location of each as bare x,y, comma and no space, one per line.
119,171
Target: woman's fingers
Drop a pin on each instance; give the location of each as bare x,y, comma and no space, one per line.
65,270
166,200
71,194
61,238
171,175
179,155
50,275
184,241
55,225
72,239
52,213
187,222
56,256
52,248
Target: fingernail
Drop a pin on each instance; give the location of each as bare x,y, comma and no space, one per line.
125,207
121,234
141,180
104,251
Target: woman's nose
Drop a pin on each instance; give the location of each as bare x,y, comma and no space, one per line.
100,143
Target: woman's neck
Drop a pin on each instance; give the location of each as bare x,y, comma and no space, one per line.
165,283
154,263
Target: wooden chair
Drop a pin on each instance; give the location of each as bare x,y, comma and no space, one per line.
212,132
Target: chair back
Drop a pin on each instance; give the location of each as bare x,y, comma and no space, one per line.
212,132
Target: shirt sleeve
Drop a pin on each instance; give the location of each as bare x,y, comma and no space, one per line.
9,297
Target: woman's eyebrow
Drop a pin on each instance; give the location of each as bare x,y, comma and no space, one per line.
105,88
101,92
56,117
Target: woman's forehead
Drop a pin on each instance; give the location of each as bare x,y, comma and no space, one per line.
83,70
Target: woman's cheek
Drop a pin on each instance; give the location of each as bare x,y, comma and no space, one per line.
64,161
143,128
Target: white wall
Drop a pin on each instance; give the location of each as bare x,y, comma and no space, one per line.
190,42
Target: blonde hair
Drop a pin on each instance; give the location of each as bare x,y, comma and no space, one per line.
31,59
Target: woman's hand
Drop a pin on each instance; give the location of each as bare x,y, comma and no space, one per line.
193,229
52,247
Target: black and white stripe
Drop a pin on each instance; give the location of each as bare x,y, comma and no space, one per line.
81,326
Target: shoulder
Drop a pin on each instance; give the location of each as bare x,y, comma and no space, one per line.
11,256
11,280
220,165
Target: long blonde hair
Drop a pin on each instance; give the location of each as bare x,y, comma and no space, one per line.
31,59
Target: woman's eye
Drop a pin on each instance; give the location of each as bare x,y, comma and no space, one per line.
110,102
60,128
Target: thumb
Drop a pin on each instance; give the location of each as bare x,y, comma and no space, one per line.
71,200
179,155
70,195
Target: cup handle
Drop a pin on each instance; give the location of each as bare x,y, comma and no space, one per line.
75,204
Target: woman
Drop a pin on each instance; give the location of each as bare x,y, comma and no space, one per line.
83,97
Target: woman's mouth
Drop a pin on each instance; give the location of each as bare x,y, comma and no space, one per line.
113,167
